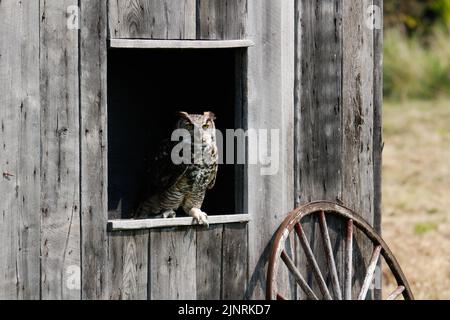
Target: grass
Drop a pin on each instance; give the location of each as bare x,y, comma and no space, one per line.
416,68
416,193
425,227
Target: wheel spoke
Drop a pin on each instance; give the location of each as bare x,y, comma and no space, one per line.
348,260
313,262
394,295
298,277
370,273
330,257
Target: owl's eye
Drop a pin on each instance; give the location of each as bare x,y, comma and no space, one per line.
189,126
206,126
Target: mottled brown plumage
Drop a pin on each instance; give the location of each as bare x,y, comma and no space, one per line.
174,184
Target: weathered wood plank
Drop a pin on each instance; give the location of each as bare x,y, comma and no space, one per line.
128,262
209,262
358,137
19,145
93,149
235,262
378,130
152,19
135,224
318,108
60,201
270,88
240,121
221,19
179,44
172,271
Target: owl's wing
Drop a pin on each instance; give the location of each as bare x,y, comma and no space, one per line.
163,173
214,176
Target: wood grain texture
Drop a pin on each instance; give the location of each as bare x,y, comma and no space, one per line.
128,263
209,262
136,224
270,88
358,129
172,271
221,19
19,150
235,261
378,131
152,19
60,200
93,149
178,44
318,117
336,139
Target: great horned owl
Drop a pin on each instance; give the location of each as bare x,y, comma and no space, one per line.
183,185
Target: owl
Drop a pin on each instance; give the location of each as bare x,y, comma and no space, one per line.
174,184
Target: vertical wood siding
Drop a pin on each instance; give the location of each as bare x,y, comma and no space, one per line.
152,19
314,74
270,106
209,263
358,93
94,206
19,150
318,98
337,101
60,194
378,129
128,265
221,19
181,19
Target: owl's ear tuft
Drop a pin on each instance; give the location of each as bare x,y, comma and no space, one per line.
210,115
184,115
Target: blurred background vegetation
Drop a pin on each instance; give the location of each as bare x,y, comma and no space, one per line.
417,48
416,155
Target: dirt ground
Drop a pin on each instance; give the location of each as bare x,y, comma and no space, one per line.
416,194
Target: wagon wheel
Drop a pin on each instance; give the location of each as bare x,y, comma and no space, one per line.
321,209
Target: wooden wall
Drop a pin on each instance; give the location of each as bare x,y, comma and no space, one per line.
20,177
314,74
53,213
338,108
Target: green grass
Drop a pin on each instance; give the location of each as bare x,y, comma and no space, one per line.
424,227
416,68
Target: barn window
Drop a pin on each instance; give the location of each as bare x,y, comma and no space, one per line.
146,87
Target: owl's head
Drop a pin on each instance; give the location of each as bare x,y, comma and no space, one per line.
201,125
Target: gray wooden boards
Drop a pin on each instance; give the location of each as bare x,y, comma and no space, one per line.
198,263
60,196
270,106
136,224
178,263
178,44
338,115
180,19
128,265
19,150
93,148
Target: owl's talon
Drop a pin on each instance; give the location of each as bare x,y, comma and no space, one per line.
200,216
167,214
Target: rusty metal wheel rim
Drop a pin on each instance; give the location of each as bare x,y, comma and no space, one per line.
292,222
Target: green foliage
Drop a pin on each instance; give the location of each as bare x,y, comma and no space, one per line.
425,227
415,70
418,17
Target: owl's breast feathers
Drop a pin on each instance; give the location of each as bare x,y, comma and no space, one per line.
199,174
